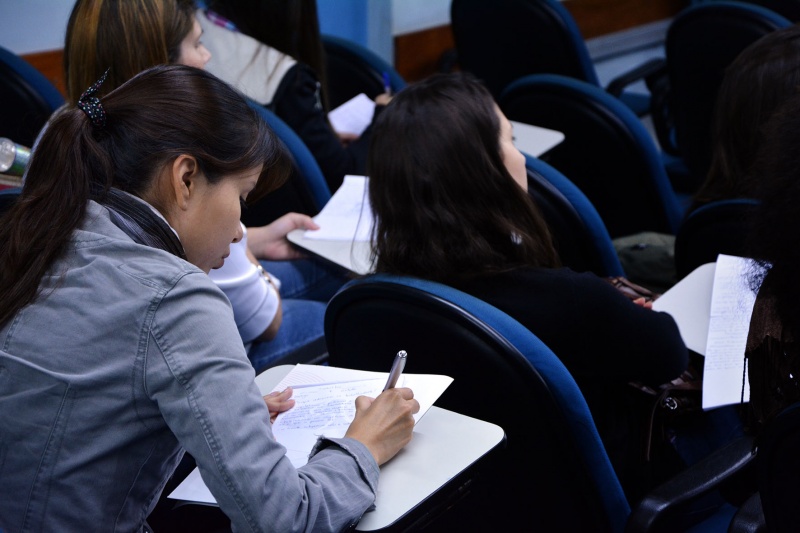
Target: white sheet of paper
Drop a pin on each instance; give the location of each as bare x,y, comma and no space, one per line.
689,304
724,374
327,391
535,140
353,116
347,216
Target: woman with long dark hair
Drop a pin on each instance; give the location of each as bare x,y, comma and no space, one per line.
118,352
773,354
448,190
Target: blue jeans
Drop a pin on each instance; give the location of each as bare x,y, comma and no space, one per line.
302,324
306,279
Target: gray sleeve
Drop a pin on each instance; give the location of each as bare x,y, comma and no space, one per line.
199,374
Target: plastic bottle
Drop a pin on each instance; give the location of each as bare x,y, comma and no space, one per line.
13,157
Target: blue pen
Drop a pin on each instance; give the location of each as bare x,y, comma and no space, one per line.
387,86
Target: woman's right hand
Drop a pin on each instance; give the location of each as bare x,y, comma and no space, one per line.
384,424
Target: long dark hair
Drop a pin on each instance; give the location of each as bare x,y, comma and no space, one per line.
291,26
158,115
774,239
761,78
445,206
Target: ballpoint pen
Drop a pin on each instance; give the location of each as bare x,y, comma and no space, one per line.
397,369
387,85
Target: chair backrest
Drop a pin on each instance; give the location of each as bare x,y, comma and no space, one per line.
701,42
502,40
352,69
786,8
579,235
306,190
607,152
8,197
555,474
716,228
28,99
778,465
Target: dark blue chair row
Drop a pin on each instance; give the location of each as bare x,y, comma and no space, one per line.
503,40
28,99
607,153
555,474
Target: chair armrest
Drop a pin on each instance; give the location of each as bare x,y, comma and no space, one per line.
646,69
697,480
750,517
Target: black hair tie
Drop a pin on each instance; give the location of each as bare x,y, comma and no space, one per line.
90,104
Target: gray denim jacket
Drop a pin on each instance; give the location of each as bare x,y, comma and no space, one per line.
128,357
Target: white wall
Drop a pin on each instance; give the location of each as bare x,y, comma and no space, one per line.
409,16
28,26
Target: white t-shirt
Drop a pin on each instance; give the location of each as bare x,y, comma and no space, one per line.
249,65
254,300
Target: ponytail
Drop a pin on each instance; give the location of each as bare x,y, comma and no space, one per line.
159,114
35,232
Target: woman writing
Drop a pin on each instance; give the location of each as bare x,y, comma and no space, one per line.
119,352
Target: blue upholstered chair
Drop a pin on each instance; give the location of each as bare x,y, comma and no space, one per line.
579,235
28,99
352,69
607,153
716,228
555,475
502,40
778,466
7,198
786,8
701,42
306,190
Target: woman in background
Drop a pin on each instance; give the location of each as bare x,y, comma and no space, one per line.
756,84
118,351
448,190
128,36
272,51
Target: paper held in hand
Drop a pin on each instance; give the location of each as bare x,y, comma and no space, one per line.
353,116
712,307
324,404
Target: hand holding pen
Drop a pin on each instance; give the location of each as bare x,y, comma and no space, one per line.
384,425
397,368
385,97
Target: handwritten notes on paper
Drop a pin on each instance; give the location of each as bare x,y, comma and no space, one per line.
324,410
324,405
725,372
